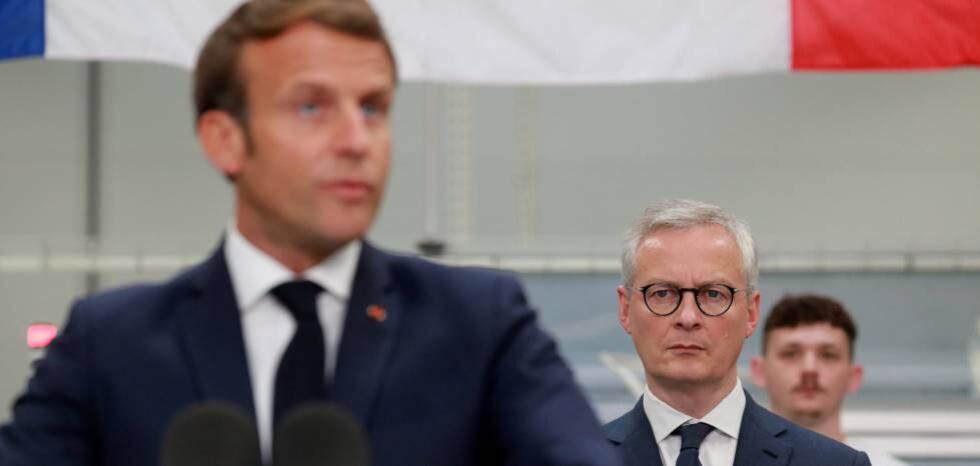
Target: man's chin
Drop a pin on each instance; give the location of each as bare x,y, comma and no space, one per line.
343,232
347,224
809,408
326,241
807,415
684,376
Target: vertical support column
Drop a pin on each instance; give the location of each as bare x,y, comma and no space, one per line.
459,165
527,136
431,162
432,244
93,170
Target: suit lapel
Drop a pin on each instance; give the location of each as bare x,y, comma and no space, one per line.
211,331
758,442
635,438
369,329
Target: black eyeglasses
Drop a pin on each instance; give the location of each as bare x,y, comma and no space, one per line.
662,300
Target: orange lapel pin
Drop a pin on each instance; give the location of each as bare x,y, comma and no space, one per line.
377,313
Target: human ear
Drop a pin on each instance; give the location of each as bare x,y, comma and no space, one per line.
758,371
624,308
223,140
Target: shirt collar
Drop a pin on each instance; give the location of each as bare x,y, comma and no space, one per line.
254,273
726,417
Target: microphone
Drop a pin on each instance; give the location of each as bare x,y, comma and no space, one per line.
211,434
319,434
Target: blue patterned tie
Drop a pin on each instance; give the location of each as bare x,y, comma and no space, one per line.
691,437
300,376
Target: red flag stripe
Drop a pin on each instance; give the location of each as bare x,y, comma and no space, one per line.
884,34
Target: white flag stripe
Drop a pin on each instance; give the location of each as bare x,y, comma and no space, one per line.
167,31
476,41
584,41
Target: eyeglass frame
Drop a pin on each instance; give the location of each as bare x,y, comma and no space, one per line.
681,291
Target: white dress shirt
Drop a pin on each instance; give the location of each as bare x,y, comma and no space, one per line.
718,448
268,327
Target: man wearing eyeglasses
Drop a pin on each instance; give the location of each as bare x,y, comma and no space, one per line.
689,300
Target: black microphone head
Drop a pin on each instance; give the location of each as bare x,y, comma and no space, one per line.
319,434
211,434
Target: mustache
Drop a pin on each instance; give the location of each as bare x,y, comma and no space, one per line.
809,384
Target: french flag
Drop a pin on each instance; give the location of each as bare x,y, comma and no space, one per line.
547,42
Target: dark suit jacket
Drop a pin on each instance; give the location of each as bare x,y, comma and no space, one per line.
458,374
764,439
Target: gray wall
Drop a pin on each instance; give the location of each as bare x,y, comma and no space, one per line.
815,162
923,322
42,178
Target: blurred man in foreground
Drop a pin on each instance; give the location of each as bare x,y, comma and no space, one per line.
442,366
689,299
807,365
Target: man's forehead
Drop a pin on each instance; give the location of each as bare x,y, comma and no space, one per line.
707,234
709,247
307,45
809,334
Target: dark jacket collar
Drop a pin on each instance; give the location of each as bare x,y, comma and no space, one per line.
758,438
631,432
211,333
373,314
758,443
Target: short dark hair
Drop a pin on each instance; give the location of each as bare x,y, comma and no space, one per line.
792,311
217,80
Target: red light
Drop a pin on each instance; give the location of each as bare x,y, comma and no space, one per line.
40,335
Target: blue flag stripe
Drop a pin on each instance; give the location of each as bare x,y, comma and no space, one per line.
21,28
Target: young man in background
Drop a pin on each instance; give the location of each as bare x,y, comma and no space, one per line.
807,365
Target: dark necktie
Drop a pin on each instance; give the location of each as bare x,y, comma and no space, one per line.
300,377
691,437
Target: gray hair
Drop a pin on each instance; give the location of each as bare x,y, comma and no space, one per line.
684,213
